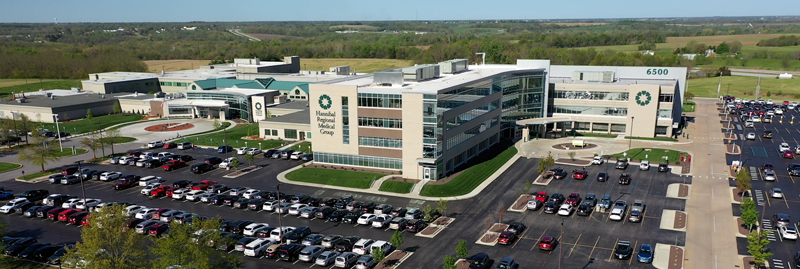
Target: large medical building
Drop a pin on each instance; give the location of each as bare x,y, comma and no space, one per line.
426,120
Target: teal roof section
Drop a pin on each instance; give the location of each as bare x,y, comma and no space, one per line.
260,83
250,85
288,85
208,84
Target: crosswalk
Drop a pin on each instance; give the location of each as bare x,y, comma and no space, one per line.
759,197
767,225
778,264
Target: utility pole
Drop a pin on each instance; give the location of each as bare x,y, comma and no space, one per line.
630,138
16,132
280,214
100,130
58,132
561,246
80,177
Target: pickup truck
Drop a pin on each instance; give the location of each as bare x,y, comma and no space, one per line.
125,183
172,165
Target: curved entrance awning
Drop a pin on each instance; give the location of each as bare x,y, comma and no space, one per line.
544,120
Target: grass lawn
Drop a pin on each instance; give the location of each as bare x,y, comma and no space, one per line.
68,152
470,178
38,174
7,262
84,126
396,186
8,166
120,140
234,136
744,87
18,85
304,147
655,155
688,106
356,65
350,179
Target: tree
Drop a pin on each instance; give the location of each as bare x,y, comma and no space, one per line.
235,163
117,107
723,48
190,245
461,249
449,262
91,143
501,212
24,126
441,206
112,137
249,158
89,115
743,180
749,213
39,153
378,256
103,245
545,164
571,155
785,62
66,116
397,239
743,62
527,187
709,70
688,96
757,246
217,124
427,210
735,46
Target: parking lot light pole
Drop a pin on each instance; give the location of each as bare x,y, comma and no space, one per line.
80,177
560,246
280,214
58,132
630,138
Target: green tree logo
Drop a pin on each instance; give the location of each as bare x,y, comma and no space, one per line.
258,106
643,98
325,101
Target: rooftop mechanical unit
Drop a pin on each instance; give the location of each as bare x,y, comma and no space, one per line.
421,72
453,66
593,76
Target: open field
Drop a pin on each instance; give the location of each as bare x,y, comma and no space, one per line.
271,36
713,40
174,65
8,82
779,89
355,27
360,65
14,85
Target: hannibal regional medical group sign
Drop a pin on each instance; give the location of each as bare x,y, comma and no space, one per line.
326,120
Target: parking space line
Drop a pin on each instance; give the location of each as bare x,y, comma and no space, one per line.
786,202
644,215
769,197
537,240
634,247
519,239
576,245
593,247
612,252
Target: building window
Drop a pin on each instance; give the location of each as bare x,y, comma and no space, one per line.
592,95
308,135
345,100
358,160
665,97
380,100
472,132
600,127
661,130
274,132
618,128
380,142
267,132
591,110
665,113
581,126
380,122
290,134
472,114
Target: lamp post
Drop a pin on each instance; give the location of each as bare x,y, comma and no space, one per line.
100,130
560,247
280,214
630,138
14,118
80,177
58,133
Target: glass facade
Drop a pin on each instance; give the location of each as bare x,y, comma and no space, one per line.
239,105
472,114
591,110
665,113
290,134
472,132
358,160
618,128
380,122
380,142
523,96
380,100
591,95
666,97
345,121
661,130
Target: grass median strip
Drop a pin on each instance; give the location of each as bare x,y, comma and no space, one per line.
651,154
469,179
396,186
350,179
37,175
234,138
8,166
84,126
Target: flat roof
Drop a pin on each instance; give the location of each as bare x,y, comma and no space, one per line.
194,74
63,98
291,105
241,91
300,117
620,81
292,77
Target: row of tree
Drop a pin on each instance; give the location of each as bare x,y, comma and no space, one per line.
781,41
700,48
757,240
27,60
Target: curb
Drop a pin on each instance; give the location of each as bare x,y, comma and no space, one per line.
242,174
36,180
511,208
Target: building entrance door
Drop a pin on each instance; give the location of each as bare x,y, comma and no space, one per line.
426,173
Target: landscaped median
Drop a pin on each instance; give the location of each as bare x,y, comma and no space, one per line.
654,155
234,138
29,177
8,166
469,179
341,178
396,186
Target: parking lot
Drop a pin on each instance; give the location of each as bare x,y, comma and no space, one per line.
755,153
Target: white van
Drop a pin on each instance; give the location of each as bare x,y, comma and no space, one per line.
362,246
257,247
380,246
276,234
150,179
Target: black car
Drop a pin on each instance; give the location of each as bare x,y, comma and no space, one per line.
369,208
557,198
228,241
289,252
200,168
255,204
238,227
31,212
398,212
516,227
34,195
324,213
307,157
623,250
229,200
269,153
602,177
550,207
55,259
241,203
767,134
479,261
621,164
153,163
224,149
584,210
663,167
351,217
313,201
182,157
559,173
41,254
330,201
41,212
793,169
416,226
338,215
19,246
346,244
181,183
624,179
213,160
29,250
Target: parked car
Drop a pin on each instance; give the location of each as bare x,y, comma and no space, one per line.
637,211
598,160
623,250
200,168
173,164
624,179
645,254
185,145
479,261
776,193
663,167
507,238
579,174
224,149
155,144
645,165
559,173
621,164
213,160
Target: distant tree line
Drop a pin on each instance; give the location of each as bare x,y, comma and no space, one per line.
781,41
28,60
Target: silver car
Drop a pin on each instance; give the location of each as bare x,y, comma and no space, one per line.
310,253
326,258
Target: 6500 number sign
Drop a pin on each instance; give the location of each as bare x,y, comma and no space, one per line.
657,71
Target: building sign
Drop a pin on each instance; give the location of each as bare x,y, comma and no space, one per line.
258,111
326,121
643,98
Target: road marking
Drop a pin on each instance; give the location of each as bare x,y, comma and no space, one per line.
593,247
644,215
515,243
634,247
537,240
612,252
576,243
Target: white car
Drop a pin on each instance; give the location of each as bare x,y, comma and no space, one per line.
49,199
71,203
146,213
770,112
297,155
644,166
788,232
776,193
769,175
783,146
597,160
366,219
751,136
193,195
253,151
270,205
149,187
382,221
250,230
749,124
89,203
565,210
226,163
755,118
161,155
179,194
109,176
241,151
9,207
124,160
778,111
276,233
155,144
769,101
249,193
131,209
295,209
283,208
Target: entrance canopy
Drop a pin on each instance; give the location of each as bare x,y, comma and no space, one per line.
544,120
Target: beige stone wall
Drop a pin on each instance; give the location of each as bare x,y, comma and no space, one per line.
33,113
412,135
330,140
134,105
281,127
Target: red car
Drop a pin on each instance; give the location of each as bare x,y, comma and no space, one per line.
160,191
77,217
64,215
204,184
85,220
157,214
548,243
135,154
170,145
53,214
171,190
125,183
574,199
174,164
579,174
786,103
788,154
507,238
157,229
542,196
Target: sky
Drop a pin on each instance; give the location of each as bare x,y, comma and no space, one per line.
375,10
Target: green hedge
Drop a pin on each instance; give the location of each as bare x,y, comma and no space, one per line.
470,179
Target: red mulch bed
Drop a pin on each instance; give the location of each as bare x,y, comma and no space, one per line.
737,195
441,221
733,149
683,191
163,127
521,202
445,180
401,179
498,228
569,145
675,258
742,228
489,238
429,230
748,262
680,220
391,260
686,167
544,176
